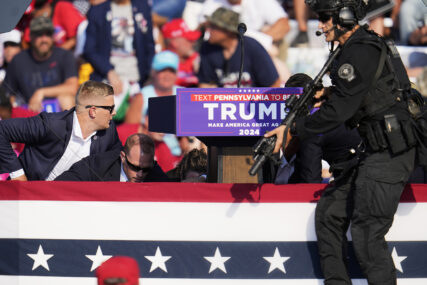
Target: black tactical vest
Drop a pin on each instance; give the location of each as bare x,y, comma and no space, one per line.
389,85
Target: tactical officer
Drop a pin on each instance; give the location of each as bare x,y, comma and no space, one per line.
333,146
370,87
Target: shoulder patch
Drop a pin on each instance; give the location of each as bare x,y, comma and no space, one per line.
346,72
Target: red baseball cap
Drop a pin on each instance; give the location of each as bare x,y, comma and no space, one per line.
121,270
178,28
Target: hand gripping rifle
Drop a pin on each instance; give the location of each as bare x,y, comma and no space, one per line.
296,107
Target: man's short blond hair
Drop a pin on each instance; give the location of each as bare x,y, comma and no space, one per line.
90,90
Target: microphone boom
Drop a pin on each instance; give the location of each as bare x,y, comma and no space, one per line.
241,28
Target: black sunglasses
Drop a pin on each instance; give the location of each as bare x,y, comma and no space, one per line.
42,33
136,168
109,108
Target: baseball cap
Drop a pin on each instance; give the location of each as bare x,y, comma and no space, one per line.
178,28
121,270
41,24
225,18
13,36
165,59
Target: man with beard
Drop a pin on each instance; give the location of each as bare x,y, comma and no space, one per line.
43,71
220,56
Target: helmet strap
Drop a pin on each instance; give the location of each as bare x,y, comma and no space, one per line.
339,32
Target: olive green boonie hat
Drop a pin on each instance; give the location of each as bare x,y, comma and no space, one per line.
225,19
41,24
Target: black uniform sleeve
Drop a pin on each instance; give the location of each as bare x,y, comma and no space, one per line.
355,71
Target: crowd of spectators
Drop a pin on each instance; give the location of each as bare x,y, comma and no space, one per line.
146,49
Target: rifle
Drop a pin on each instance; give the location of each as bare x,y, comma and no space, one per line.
297,107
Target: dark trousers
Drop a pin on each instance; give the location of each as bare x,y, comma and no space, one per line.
368,197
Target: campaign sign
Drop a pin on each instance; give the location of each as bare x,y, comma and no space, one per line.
230,111
48,105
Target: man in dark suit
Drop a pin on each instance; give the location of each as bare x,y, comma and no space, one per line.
135,163
55,141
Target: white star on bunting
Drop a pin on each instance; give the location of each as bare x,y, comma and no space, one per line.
217,261
98,258
397,260
276,261
158,261
40,258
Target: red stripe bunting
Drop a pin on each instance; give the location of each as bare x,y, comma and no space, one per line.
176,192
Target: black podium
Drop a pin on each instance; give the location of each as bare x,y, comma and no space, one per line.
229,158
228,120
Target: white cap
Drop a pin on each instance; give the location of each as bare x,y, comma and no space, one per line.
12,36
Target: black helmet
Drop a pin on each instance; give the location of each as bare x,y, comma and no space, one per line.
349,12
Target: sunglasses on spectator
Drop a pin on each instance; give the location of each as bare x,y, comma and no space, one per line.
109,108
42,33
136,168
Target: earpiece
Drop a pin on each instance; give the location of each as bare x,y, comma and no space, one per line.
346,17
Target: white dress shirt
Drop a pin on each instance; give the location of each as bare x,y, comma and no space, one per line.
123,177
77,149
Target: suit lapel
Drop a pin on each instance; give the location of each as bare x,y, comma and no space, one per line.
68,127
